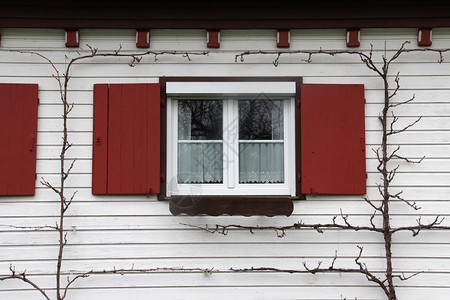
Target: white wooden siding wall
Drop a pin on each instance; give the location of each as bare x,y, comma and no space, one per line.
124,231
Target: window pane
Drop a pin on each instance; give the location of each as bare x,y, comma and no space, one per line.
261,162
200,163
200,119
261,119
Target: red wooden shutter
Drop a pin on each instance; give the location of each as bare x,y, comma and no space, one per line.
126,146
332,139
18,130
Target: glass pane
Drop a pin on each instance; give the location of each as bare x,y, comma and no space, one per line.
261,162
200,162
200,119
261,119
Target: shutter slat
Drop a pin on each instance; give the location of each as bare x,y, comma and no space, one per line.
18,155
140,138
127,140
154,138
100,140
332,141
15,141
30,108
5,115
114,139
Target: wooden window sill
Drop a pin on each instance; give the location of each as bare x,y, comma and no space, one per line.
231,205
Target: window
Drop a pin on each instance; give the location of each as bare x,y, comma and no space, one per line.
231,139
18,129
234,145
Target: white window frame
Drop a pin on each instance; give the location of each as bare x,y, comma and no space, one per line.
230,92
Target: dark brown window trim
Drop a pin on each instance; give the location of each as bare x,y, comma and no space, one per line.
232,205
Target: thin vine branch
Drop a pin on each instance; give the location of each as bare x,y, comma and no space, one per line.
23,277
281,230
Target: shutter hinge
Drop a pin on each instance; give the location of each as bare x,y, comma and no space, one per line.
163,102
38,101
312,192
162,177
298,102
149,192
299,176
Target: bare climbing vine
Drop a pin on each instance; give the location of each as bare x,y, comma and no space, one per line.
63,78
388,120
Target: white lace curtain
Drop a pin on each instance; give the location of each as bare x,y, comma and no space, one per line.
203,163
200,162
261,162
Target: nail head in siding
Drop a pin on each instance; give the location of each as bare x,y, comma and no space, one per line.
353,37
283,38
424,37
213,38
142,38
72,37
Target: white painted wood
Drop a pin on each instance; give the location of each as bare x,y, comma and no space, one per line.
121,230
183,88
192,251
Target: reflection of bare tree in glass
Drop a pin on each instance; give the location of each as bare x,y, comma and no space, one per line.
260,119
201,118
